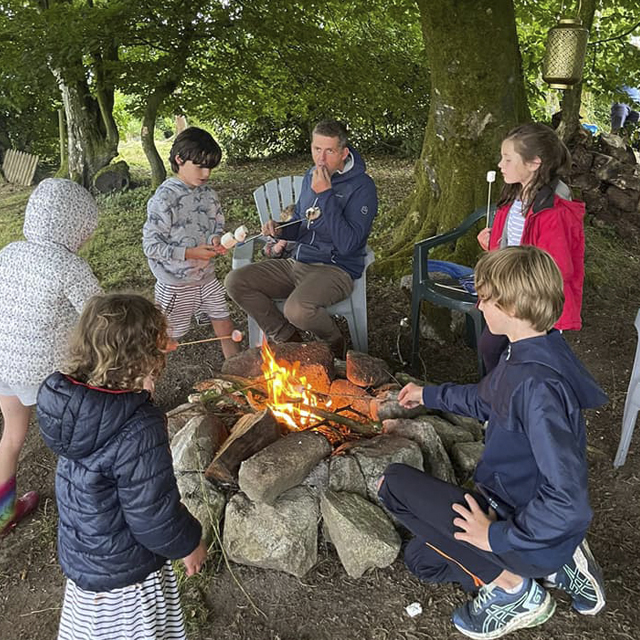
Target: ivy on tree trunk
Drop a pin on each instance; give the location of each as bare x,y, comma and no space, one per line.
477,95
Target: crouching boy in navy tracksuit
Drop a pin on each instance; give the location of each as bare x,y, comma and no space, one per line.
529,511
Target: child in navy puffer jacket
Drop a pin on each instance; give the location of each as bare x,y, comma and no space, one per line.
121,518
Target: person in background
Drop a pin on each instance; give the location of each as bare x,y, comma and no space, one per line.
181,239
535,208
337,205
622,113
44,285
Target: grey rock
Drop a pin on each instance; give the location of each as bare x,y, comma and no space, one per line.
282,465
193,447
386,407
282,537
178,417
622,199
451,434
361,533
422,431
473,426
365,370
375,455
204,501
345,475
318,479
465,456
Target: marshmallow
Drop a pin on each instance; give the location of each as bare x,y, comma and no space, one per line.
240,234
227,240
491,176
236,335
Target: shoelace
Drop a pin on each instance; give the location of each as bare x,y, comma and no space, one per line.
484,595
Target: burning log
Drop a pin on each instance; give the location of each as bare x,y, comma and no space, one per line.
250,434
361,428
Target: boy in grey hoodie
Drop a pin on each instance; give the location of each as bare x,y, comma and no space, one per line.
182,235
43,287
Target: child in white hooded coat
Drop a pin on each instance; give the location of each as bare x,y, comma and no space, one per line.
43,287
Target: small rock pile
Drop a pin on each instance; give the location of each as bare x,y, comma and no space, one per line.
272,511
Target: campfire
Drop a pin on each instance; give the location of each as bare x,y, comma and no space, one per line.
289,394
288,436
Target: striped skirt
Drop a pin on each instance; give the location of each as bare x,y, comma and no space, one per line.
149,610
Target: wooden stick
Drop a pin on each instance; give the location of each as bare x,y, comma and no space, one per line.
371,429
280,226
235,334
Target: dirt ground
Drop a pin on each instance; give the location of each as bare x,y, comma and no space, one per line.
252,604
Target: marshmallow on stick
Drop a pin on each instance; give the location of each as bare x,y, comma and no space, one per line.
240,234
491,178
228,241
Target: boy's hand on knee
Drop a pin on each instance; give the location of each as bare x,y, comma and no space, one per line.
474,523
410,396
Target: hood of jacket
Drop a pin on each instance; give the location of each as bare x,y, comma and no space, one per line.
357,168
552,352
76,420
60,212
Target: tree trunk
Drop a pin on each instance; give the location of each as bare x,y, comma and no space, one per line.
90,146
572,98
158,171
477,95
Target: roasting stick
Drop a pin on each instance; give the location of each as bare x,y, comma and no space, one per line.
491,178
280,226
236,336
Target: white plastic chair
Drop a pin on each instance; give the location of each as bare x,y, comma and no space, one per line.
631,406
271,198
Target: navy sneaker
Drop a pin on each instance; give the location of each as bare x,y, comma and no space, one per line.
494,612
582,580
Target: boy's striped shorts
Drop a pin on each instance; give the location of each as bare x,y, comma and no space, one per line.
180,303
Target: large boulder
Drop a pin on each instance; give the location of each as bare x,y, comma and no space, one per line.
193,447
282,465
362,534
373,456
282,537
204,501
366,371
421,430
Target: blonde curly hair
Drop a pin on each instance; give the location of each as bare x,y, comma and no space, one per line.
118,342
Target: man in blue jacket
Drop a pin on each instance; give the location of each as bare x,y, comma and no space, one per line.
337,205
528,513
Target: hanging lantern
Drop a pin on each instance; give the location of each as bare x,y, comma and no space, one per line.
565,54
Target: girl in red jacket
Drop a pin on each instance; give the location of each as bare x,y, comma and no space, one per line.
535,208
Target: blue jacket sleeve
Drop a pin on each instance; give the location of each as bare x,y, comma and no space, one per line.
149,493
561,506
461,399
350,226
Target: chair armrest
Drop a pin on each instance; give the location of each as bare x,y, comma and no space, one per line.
421,249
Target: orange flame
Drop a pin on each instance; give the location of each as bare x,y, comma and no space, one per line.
287,389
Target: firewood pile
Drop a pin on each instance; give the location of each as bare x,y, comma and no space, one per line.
240,464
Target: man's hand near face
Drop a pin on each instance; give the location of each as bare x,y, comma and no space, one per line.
320,179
